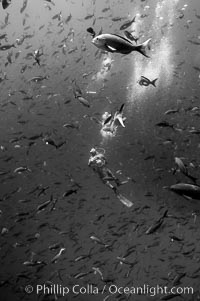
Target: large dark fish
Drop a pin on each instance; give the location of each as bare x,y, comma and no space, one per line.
187,190
144,81
127,24
5,3
115,43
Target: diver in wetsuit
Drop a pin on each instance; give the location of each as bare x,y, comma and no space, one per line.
98,162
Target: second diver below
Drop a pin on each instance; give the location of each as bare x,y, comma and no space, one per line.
98,163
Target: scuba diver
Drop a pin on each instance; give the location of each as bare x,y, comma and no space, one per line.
110,122
98,163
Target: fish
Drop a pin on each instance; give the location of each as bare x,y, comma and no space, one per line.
156,224
89,17
196,68
6,47
57,16
76,90
81,275
34,263
98,240
105,9
171,111
123,260
78,95
116,19
23,68
127,24
182,168
143,16
177,278
17,54
56,257
43,206
6,19
37,79
144,81
5,3
115,43
50,1
3,36
71,125
91,31
83,101
50,141
173,237
72,50
194,42
82,257
164,124
129,36
195,131
97,270
68,18
24,6
54,246
189,191
9,58
21,169
69,192
42,191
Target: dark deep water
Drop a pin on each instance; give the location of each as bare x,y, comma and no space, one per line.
29,112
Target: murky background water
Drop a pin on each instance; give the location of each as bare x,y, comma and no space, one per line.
81,206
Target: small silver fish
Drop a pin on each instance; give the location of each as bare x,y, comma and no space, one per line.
55,258
21,169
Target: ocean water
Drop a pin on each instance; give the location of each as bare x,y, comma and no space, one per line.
56,204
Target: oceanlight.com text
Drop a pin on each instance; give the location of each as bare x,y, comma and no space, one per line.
90,289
